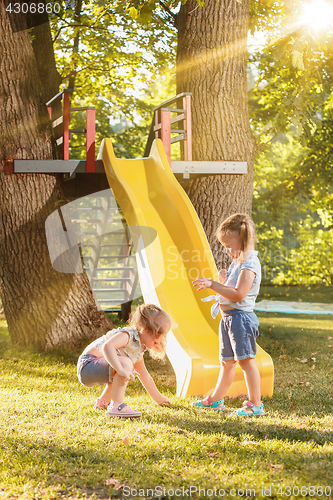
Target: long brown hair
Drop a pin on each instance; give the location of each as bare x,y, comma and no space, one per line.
150,317
239,225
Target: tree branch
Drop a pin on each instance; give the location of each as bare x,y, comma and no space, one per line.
168,11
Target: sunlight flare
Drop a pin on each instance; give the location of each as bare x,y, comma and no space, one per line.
318,15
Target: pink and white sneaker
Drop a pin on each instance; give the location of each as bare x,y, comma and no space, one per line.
101,405
122,411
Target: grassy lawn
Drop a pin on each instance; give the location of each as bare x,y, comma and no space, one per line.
55,445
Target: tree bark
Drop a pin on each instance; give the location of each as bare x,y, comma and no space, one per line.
43,50
211,63
42,307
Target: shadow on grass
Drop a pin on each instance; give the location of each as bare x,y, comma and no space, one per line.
81,470
211,422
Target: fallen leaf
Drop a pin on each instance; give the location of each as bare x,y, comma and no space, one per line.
213,455
303,423
312,367
246,442
275,466
330,345
313,353
313,359
304,360
48,433
182,432
113,482
292,408
282,356
297,359
329,338
125,440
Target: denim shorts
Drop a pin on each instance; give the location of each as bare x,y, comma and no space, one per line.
238,333
93,371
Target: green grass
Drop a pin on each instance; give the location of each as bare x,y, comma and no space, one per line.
55,445
298,293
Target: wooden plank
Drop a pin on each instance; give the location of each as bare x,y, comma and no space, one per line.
209,167
166,132
54,166
66,116
179,137
90,140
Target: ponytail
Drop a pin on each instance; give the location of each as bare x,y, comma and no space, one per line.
240,225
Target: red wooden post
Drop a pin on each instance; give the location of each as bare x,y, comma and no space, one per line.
166,132
188,121
90,137
66,116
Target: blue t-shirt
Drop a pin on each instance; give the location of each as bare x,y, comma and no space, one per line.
253,264
247,304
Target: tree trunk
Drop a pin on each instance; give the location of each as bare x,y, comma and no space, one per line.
211,63
42,307
43,49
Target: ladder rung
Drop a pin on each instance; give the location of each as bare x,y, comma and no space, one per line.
103,209
78,130
111,279
177,138
113,268
126,256
110,290
99,221
177,131
173,110
120,257
90,245
115,301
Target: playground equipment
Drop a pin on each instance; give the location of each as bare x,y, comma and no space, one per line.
172,248
150,196
169,118
90,234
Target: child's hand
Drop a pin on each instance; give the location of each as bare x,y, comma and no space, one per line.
164,401
128,375
203,283
222,276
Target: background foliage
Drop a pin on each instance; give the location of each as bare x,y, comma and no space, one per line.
291,115
132,70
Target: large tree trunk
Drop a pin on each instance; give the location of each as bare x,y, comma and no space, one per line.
42,307
43,49
211,63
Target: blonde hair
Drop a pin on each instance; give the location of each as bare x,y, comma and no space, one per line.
154,319
239,225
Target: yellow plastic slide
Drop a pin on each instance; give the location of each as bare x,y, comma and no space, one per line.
172,250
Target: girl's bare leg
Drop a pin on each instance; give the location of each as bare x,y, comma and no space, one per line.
252,379
107,392
226,377
119,384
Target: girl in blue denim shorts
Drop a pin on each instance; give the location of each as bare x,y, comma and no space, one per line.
236,291
116,357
